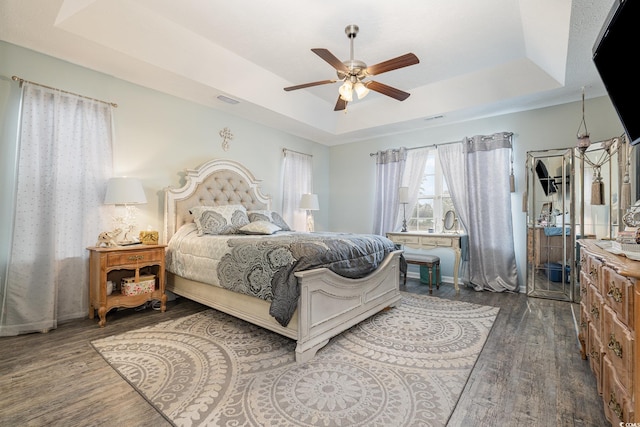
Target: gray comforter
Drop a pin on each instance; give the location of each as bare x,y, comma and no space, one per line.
253,262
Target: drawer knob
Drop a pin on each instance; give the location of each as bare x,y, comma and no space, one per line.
615,346
615,406
135,257
615,293
595,355
594,311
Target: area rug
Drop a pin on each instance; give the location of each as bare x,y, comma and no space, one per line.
406,366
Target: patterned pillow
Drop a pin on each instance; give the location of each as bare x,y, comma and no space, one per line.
219,219
270,216
259,227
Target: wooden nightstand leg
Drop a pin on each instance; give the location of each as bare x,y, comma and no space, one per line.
102,313
163,303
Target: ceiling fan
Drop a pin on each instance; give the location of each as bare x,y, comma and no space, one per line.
354,72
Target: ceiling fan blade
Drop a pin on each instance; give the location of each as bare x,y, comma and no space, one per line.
302,86
387,90
331,59
341,104
393,64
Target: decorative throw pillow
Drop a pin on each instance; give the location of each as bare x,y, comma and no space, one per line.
225,219
270,216
259,227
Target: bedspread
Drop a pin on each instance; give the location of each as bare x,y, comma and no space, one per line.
264,266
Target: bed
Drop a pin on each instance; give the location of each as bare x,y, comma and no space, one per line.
328,303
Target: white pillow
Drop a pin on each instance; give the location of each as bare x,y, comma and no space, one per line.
270,216
259,227
226,219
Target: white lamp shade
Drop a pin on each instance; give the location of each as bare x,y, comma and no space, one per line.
361,90
346,91
124,191
309,202
403,194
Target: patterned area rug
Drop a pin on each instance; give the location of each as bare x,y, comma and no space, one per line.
402,367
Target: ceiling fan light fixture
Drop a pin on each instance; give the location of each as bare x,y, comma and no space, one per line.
346,91
361,90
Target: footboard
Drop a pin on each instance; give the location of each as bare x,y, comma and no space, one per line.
330,304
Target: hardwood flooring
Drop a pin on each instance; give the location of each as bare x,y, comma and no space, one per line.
529,373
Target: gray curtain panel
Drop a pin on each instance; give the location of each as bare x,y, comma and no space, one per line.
490,228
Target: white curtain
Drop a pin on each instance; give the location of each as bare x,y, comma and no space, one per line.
489,225
452,160
296,181
412,178
390,166
64,162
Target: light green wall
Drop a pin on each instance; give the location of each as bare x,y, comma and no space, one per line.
352,180
157,136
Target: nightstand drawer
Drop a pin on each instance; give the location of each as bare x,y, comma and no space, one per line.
134,257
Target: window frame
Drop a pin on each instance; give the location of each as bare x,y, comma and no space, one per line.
437,200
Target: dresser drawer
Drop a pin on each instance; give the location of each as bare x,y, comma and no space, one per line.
617,341
584,324
400,238
617,402
435,241
595,354
595,307
134,257
593,267
584,286
618,293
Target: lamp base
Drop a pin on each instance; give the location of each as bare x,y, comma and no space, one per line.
404,218
310,223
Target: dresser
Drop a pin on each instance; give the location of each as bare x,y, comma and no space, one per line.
427,241
609,317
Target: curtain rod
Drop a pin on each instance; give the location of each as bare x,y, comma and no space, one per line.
508,134
284,151
21,80
424,146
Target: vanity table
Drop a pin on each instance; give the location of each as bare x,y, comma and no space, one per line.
429,241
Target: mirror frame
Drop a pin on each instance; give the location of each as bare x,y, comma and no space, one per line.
449,220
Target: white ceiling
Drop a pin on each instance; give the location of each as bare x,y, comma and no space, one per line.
478,58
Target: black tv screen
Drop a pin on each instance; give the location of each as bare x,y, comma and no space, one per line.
618,39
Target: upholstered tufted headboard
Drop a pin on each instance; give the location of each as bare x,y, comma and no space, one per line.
214,183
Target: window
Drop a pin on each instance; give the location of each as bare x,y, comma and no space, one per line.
434,199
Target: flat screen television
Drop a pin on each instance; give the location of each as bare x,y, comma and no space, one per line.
618,39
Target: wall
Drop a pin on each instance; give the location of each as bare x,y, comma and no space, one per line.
158,136
352,174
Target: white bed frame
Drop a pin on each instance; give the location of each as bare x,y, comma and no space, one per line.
328,304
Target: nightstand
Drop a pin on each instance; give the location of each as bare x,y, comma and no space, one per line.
124,262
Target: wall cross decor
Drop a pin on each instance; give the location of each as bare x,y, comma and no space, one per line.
226,136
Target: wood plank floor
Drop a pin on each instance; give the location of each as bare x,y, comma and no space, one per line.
529,373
